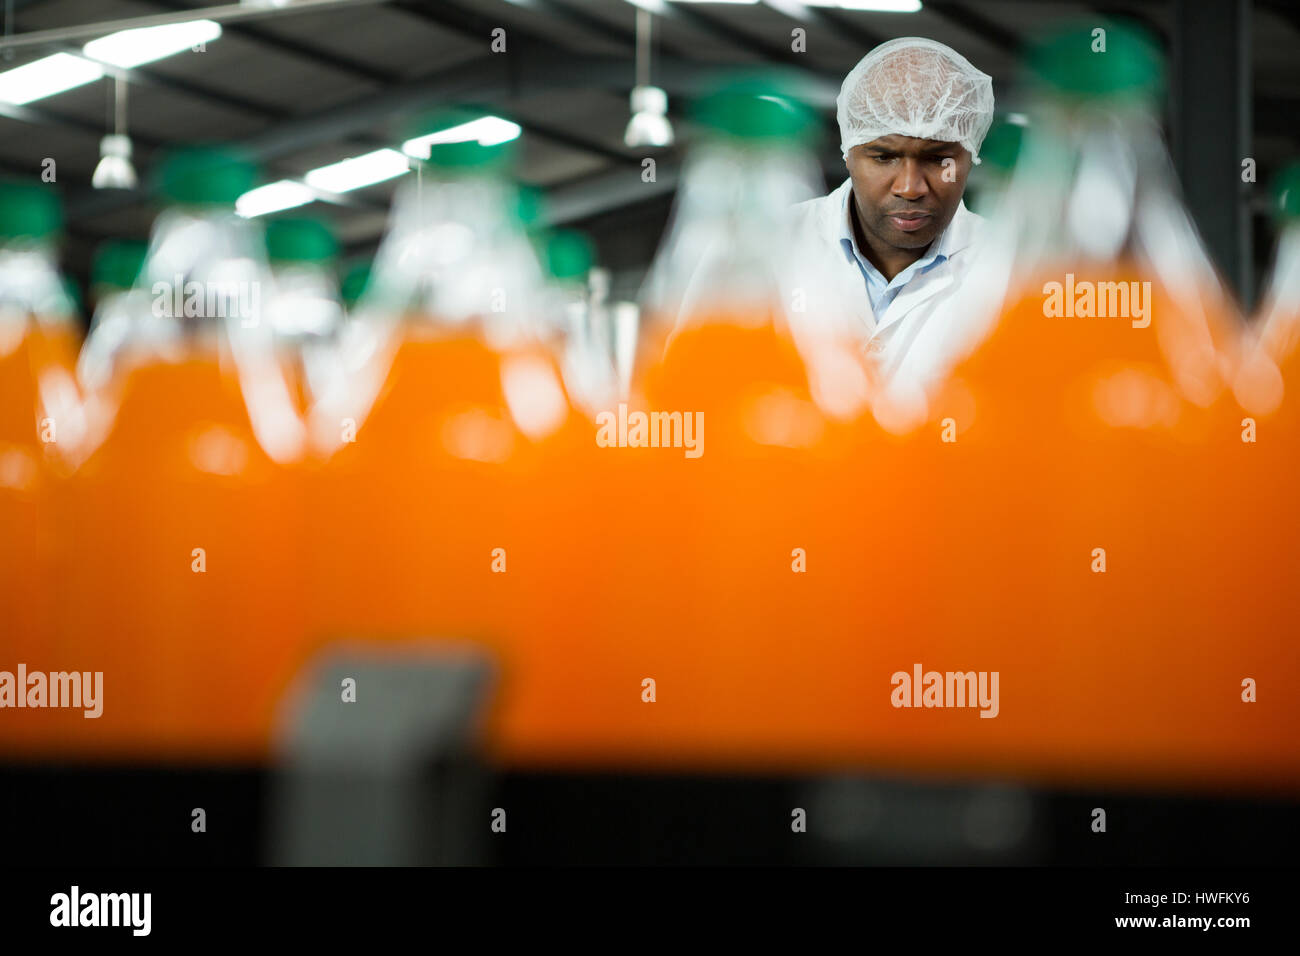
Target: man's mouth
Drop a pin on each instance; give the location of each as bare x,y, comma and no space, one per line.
909,221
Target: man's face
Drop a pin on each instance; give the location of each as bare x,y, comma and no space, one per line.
906,190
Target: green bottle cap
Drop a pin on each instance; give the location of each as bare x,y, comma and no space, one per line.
530,205
73,293
354,283
463,155
1107,60
468,155
1286,192
1001,146
568,255
117,263
755,108
300,239
29,211
206,175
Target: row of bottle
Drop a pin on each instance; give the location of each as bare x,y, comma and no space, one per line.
184,429
1069,503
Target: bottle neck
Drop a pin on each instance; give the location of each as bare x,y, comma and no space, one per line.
456,261
730,253
30,285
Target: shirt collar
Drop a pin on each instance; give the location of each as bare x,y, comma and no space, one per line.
939,249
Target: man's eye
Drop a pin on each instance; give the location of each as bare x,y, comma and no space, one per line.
882,157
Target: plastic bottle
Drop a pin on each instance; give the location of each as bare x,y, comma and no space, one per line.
354,284
568,543
185,558
693,585
731,274
1094,191
305,310
115,268
1279,314
580,323
41,431
998,154
1082,524
452,393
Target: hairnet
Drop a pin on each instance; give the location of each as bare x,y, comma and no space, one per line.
915,87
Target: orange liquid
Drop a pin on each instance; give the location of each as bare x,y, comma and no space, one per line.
691,582
194,661
434,520
568,513
1073,437
407,528
973,555
36,371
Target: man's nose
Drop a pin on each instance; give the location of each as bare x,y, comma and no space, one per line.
910,182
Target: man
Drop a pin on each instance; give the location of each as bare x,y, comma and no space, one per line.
912,115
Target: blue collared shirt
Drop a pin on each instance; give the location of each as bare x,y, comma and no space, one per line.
881,292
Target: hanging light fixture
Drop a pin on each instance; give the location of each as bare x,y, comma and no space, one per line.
115,170
649,125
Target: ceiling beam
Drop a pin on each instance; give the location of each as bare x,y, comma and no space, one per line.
148,78
990,31
486,80
320,56
837,23
55,36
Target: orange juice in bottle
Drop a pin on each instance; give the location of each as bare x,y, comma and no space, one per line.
450,397
41,429
1094,553
690,590
566,547
186,559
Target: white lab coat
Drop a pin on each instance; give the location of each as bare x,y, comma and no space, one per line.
916,331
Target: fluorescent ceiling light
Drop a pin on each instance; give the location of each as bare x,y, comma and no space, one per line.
364,170
876,6
128,48
284,194
654,6
45,77
488,130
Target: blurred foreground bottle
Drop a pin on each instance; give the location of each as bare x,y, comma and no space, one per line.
184,550
1279,315
1086,536
304,308
1092,258
354,284
452,396
732,281
118,302
41,435
581,323
682,648
998,153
